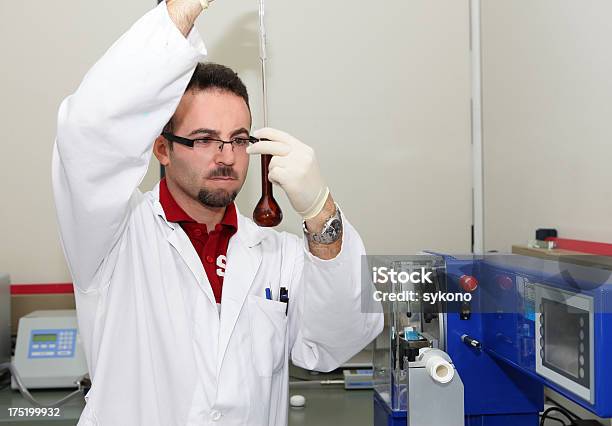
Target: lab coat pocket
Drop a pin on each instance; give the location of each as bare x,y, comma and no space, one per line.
268,324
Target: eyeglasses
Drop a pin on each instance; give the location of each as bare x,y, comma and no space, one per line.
206,143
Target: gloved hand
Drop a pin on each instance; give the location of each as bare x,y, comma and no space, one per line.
293,167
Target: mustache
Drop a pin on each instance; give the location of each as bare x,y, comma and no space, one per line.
223,171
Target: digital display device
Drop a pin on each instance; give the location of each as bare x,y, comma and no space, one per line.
562,333
44,337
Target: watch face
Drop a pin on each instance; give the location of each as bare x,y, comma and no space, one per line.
335,227
332,232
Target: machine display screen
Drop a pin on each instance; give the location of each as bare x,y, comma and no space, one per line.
44,337
566,340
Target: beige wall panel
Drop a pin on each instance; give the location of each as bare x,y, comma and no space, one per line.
547,119
381,93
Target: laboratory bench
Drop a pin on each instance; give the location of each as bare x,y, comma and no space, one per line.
68,413
330,405
325,406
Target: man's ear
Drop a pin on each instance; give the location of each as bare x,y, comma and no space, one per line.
161,149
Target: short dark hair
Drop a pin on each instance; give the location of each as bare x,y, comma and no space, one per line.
214,76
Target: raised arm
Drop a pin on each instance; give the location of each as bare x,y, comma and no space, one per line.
107,128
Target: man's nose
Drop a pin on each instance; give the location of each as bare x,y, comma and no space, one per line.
225,154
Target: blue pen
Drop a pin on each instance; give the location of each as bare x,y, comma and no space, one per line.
268,294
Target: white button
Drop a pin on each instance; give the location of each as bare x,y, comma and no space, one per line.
215,415
35,346
63,353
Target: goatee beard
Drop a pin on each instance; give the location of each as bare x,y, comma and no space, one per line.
216,198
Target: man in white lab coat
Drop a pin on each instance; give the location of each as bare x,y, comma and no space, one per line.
178,295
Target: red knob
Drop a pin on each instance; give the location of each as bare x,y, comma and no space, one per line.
468,283
504,282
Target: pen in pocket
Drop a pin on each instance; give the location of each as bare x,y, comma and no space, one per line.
284,297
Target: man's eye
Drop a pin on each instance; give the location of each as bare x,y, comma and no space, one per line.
241,141
205,141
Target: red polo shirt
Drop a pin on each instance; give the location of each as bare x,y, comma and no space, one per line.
211,247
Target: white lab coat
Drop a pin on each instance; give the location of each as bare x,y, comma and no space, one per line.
157,349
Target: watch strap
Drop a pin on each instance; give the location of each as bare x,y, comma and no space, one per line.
323,237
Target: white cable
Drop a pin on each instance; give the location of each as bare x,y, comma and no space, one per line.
28,396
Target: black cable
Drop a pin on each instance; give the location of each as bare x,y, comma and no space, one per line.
546,415
543,419
567,412
563,411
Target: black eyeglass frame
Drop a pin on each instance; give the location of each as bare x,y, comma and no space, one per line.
191,142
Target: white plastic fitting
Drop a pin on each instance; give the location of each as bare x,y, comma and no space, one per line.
436,364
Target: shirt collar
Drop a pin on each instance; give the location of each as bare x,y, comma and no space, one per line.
174,212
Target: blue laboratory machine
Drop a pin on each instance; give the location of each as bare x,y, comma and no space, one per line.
530,321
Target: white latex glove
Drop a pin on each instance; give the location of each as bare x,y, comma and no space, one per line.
293,167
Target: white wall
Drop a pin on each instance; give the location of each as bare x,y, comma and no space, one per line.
47,48
383,96
547,119
547,96
381,93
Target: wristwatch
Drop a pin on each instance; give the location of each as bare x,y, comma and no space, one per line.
331,232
